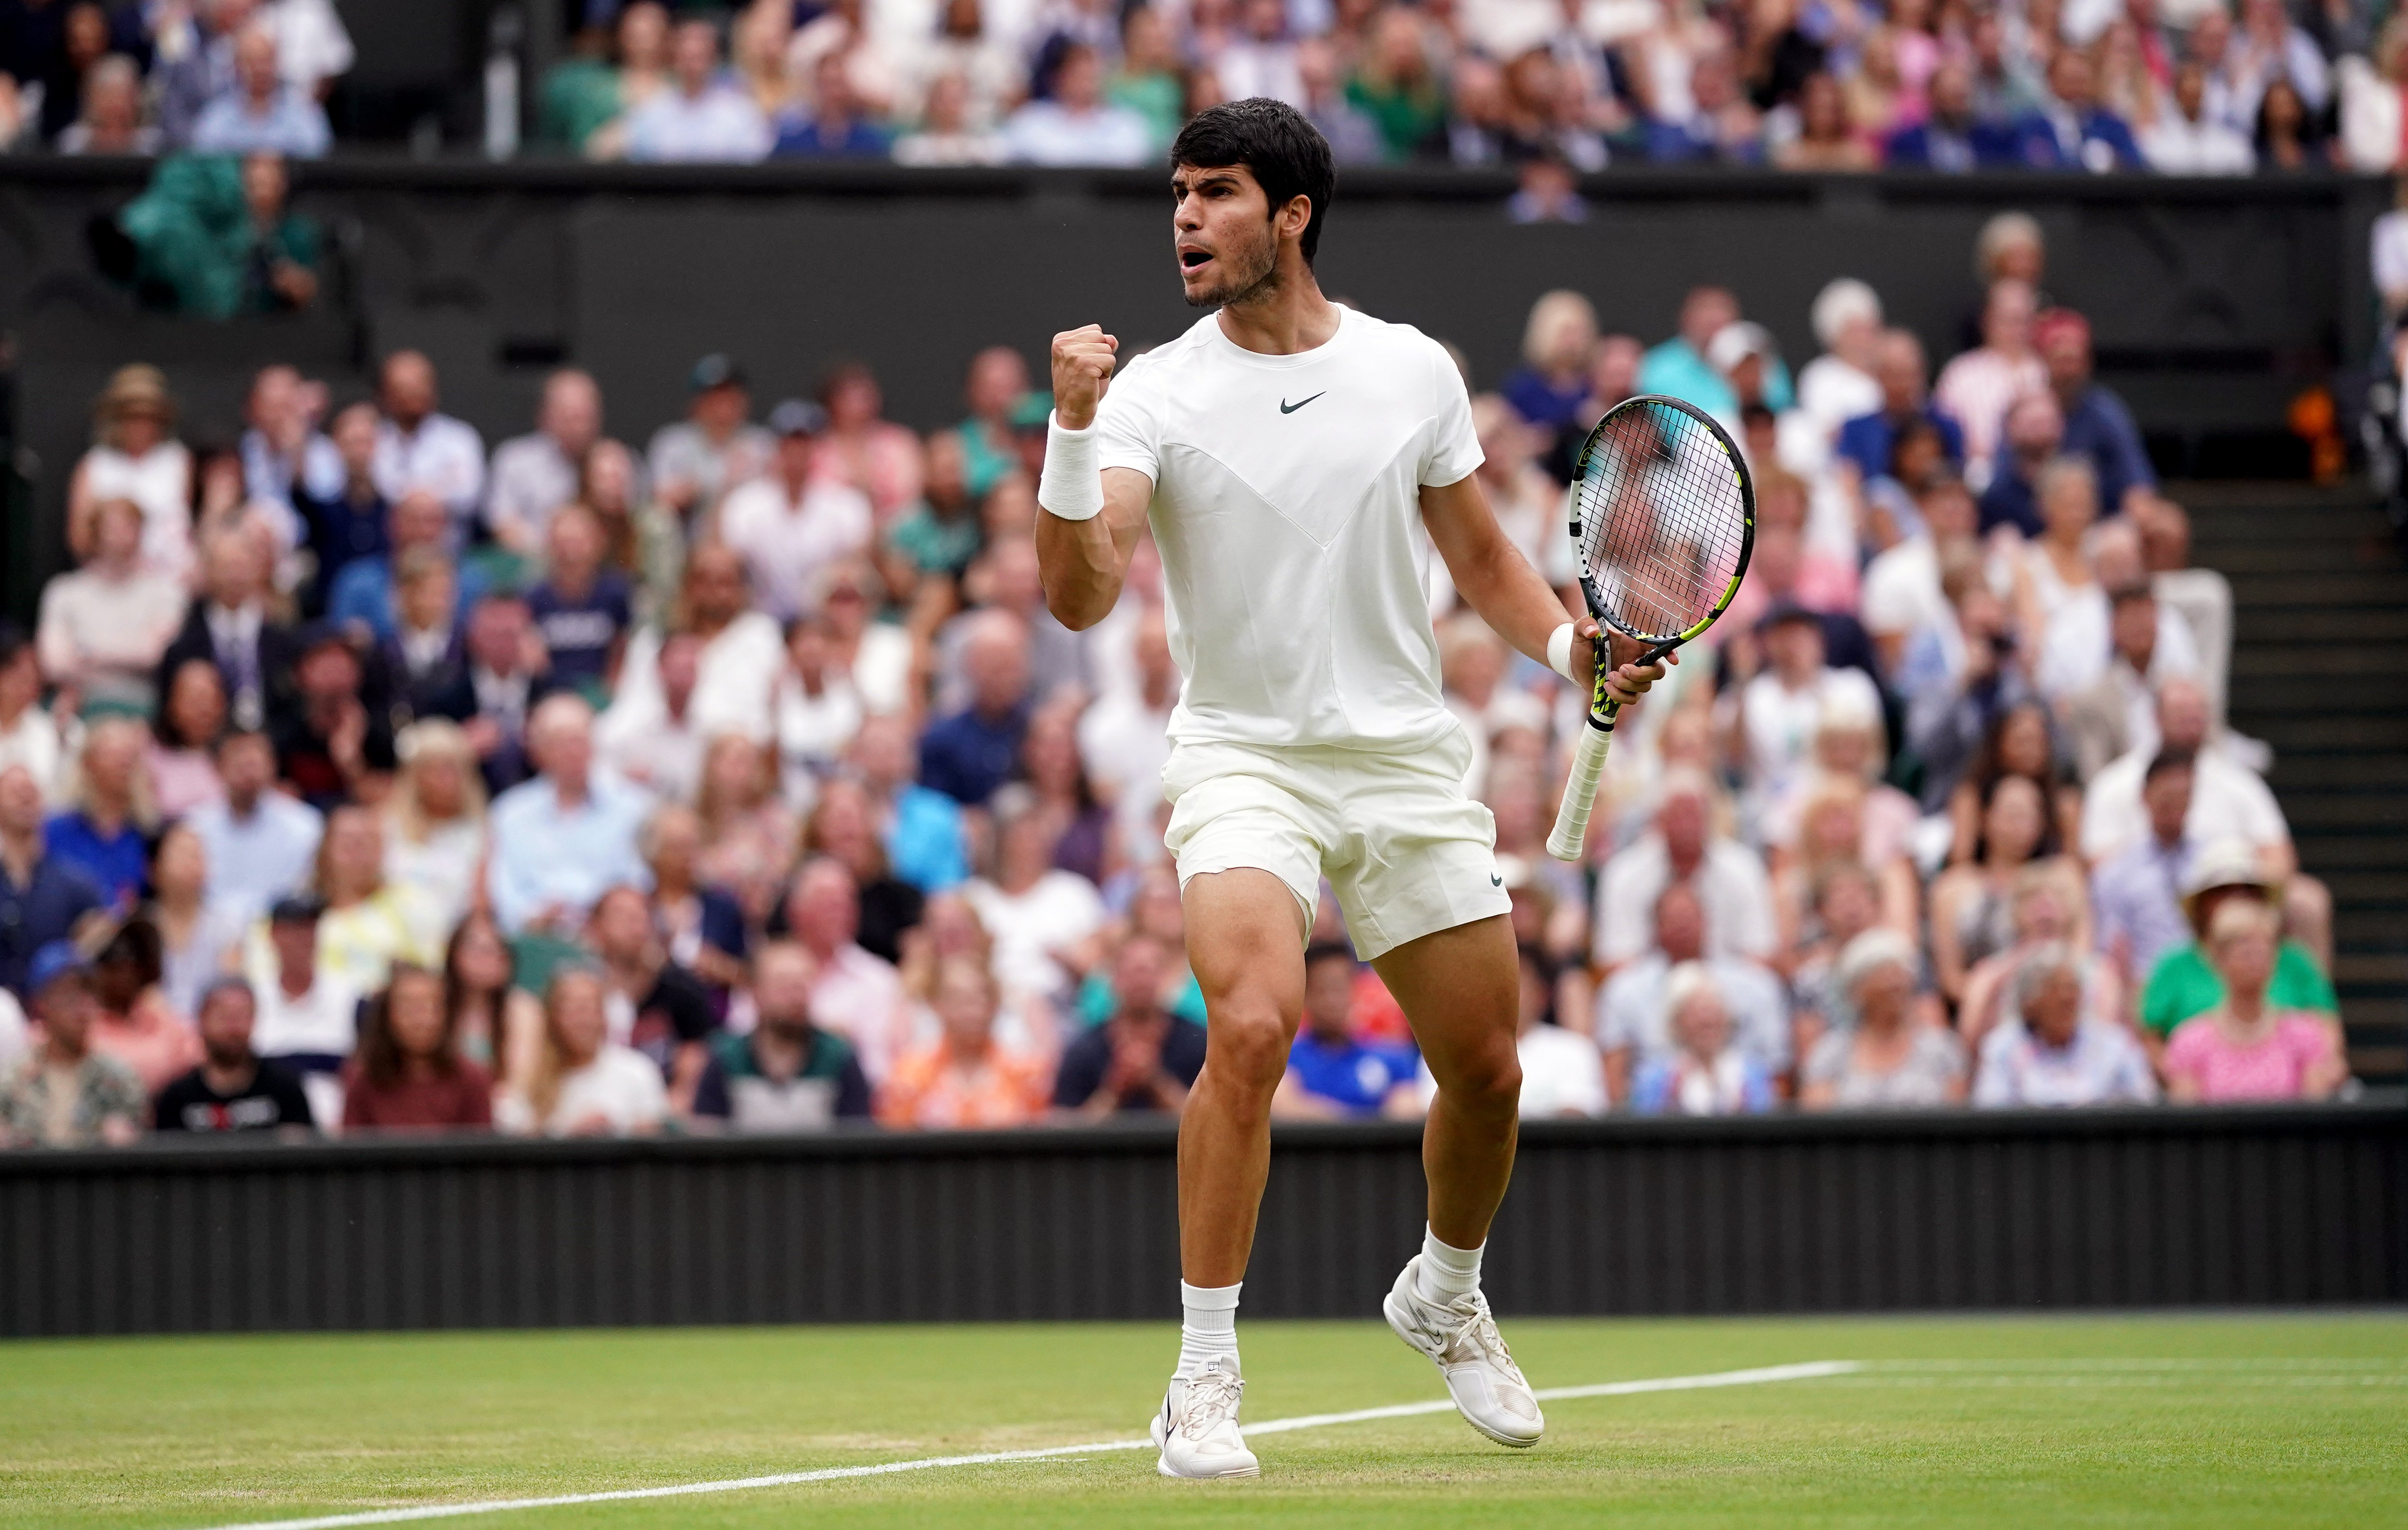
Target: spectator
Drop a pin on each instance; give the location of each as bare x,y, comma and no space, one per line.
2136,894
333,744
716,447
1397,86
1828,139
2110,709
645,542
2050,1051
535,474
2047,909
1331,1073
229,624
30,736
652,1005
1548,389
2374,101
817,712
233,1088
922,828
2229,801
1124,737
2033,433
2070,129
649,736
863,448
134,455
1562,1074
967,755
747,834
1037,915
63,1094
1887,1058
2184,982
997,380
947,134
110,119
2186,140
1143,1058
418,447
312,47
346,513
835,124
582,609
409,1074
1353,137
1679,366
1953,138
1866,442
366,923
1684,847
261,114
261,843
560,839
497,1024
426,657
1779,709
1635,1009
1720,123
1701,1072
2247,1047
2097,424
193,61
1080,825
584,1084
493,693
195,939
789,1074
108,813
585,99
789,528
1838,385
106,625
132,1021
965,1078
308,1020
704,928
1973,905
1976,388
1073,123
285,458
843,827
698,117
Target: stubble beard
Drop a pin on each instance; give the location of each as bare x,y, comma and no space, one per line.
1259,279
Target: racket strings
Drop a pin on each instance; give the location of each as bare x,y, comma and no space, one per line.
1663,519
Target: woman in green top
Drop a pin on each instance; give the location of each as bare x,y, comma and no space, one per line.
2183,983
1147,81
1398,88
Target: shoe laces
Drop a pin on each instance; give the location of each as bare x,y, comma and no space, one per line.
1213,1395
1475,1332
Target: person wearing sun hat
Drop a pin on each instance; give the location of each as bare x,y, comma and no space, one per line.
2183,984
135,456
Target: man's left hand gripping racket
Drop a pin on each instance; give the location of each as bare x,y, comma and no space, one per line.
1663,513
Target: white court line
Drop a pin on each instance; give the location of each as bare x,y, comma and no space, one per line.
1807,1371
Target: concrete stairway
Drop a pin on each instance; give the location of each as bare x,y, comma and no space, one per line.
2320,672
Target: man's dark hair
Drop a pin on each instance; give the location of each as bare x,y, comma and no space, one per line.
2171,757
1286,155
1328,950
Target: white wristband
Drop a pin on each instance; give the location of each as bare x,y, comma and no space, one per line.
1071,486
1560,655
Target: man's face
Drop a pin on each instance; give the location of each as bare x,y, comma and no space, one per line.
2034,427
1222,233
20,802
1680,924
297,946
694,52
408,390
781,989
328,673
247,764
1329,997
1137,976
1682,822
20,683
1702,1025
225,1024
1796,648
2133,630
824,911
2166,797
234,572
1706,312
714,585
1952,94
998,671
2066,352
2182,716
1079,84
722,408
620,926
566,747
572,413
2069,79
64,1008
1901,375
794,457
2053,1008
254,64
428,600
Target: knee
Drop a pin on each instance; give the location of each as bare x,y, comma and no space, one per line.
1246,1047
1487,1079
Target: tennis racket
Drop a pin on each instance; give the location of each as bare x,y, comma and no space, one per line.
1663,513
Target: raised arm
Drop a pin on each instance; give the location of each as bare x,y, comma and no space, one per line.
1088,520
1493,576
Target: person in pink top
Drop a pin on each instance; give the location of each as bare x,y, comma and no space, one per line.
2242,1049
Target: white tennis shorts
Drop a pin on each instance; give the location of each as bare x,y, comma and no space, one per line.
1408,852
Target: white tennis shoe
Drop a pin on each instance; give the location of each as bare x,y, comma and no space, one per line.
1462,1338
1198,1427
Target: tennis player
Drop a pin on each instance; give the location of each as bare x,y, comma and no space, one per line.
1290,455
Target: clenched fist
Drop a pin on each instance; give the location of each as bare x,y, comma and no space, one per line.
1082,368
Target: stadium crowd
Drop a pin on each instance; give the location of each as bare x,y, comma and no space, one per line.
362,777
1552,86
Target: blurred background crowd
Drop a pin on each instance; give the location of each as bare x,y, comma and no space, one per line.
728,772
1550,87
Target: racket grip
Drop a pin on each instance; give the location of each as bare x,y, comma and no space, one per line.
1580,794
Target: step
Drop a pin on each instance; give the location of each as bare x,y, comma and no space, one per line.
2356,655
2319,623
2290,730
2358,886
2378,1065
2338,694
2352,772
2370,930
2370,969
2345,812
2298,554
2384,588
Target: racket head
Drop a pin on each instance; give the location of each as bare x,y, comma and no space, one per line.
1663,520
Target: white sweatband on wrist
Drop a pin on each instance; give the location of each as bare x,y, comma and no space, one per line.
1071,486
1559,654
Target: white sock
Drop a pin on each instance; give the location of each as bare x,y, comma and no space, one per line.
1210,1326
1447,1272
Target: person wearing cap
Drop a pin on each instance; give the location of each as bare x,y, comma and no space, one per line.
420,447
231,1089
1977,387
790,525
2099,427
135,456
259,841
537,473
42,896
62,1094
1681,367
2184,982
696,460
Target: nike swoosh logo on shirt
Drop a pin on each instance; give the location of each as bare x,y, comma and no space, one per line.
1286,408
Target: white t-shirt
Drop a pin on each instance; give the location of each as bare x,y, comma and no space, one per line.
323,1022
1562,1073
1781,722
1060,908
2227,801
1730,882
621,1085
1287,504
1903,593
786,542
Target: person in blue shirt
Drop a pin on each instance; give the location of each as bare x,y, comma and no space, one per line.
969,754
362,595
1867,440
1678,367
1952,139
833,127
42,897
582,609
2099,427
2071,131
1550,386
1330,1074
103,834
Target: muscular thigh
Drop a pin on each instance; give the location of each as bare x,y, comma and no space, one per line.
1245,944
1459,989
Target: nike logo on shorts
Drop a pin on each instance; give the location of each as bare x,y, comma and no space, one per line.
1495,880
1286,408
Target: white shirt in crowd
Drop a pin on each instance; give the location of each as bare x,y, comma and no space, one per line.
2079,646
160,480
1562,1073
1730,882
812,732
622,1087
721,125
2101,1065
1286,506
2176,145
1124,743
1831,392
1058,909
444,456
1631,1012
2227,801
532,477
34,740
735,675
1780,723
1048,133
1975,390
786,542
256,859
1901,589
